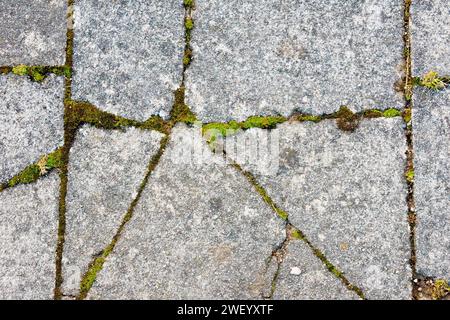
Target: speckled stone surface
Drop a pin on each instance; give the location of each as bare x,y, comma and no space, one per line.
303,276
31,121
430,36
106,169
347,193
128,55
269,57
431,125
199,232
28,234
33,32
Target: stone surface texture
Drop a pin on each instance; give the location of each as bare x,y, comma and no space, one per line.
33,32
347,193
304,277
270,57
29,226
430,36
431,125
31,121
106,169
199,232
128,55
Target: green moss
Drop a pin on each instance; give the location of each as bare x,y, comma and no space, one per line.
373,113
188,3
409,175
391,113
441,289
262,122
28,175
297,234
189,24
432,81
407,115
180,111
20,70
54,160
5,70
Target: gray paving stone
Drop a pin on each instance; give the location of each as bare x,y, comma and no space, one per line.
431,121
29,228
304,277
106,169
200,231
31,121
430,36
269,57
33,32
347,192
128,55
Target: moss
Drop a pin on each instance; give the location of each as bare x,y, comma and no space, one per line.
180,111
188,3
373,113
5,70
28,175
262,122
346,119
391,113
432,81
409,175
440,289
407,115
189,24
20,70
297,234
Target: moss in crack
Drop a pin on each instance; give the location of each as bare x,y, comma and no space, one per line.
440,289
39,73
346,120
373,113
432,81
306,117
407,115
34,171
409,175
97,265
188,3
391,113
180,111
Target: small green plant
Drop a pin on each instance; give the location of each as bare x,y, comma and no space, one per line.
432,81
410,175
189,24
20,70
440,290
188,3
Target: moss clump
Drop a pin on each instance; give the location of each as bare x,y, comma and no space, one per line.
373,113
391,113
432,81
20,70
180,111
409,175
297,234
5,70
188,3
440,290
189,24
262,122
407,115
346,120
32,173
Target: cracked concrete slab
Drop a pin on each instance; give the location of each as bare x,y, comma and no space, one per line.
31,121
303,276
128,55
200,231
430,36
347,193
106,169
431,125
29,225
33,32
267,57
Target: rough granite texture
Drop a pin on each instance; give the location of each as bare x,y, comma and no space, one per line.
200,231
430,36
304,277
264,57
431,124
347,192
106,169
31,121
128,55
32,32
28,234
